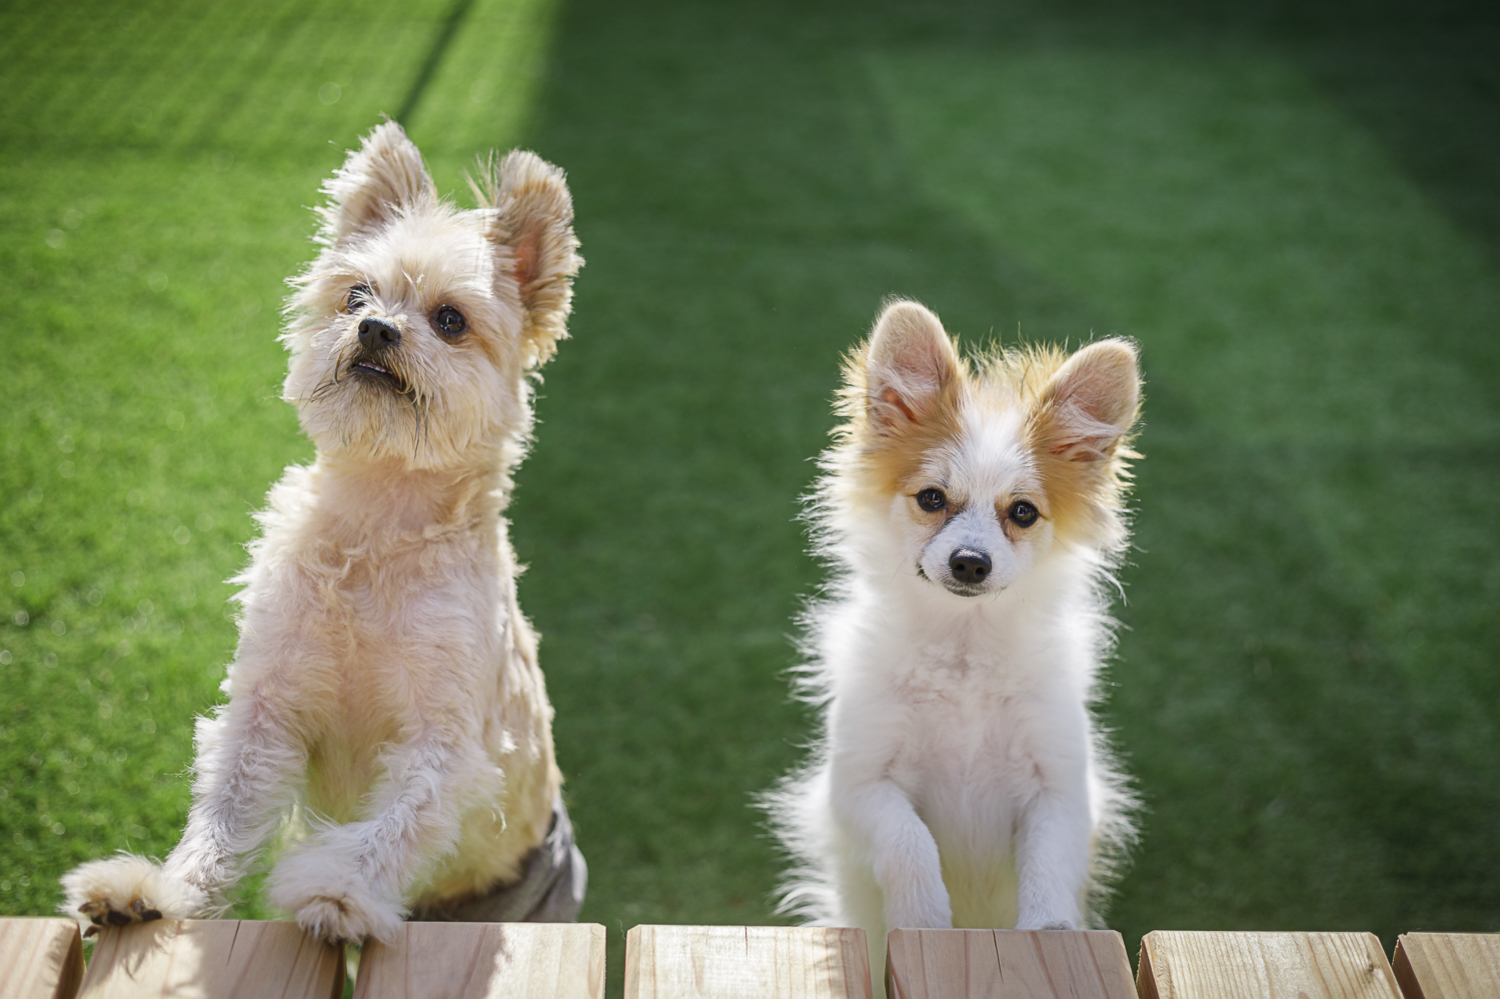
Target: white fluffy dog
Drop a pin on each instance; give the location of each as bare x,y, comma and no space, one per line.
386,683
970,515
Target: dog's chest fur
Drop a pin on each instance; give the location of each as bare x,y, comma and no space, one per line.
961,705
382,630
966,709
964,706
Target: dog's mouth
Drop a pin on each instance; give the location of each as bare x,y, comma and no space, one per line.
369,370
954,586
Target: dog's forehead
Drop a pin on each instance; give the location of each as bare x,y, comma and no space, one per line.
990,455
426,256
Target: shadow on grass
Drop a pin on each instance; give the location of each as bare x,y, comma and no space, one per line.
744,206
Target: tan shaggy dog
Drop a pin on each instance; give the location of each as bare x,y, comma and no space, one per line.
385,691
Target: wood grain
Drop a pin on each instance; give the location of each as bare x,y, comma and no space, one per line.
746,962
40,958
213,959
1007,964
486,961
1448,965
1206,965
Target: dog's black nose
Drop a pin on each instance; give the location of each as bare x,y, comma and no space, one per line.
969,566
377,334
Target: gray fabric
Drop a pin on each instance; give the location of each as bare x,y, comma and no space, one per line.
553,879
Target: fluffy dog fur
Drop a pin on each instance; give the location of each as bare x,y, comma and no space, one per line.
970,514
385,679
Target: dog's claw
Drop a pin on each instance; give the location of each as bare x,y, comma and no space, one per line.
101,914
91,931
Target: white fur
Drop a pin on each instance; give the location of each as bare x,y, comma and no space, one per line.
960,780
385,678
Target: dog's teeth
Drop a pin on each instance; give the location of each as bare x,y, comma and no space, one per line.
91,931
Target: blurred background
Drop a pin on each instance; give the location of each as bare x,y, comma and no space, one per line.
1293,206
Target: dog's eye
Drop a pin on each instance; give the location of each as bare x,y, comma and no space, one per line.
450,321
359,297
1023,513
931,500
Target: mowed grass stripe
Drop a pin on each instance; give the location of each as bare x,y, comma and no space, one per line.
240,78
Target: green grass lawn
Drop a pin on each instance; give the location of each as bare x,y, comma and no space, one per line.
1293,208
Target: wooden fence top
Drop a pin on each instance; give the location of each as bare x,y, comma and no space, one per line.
1007,964
1448,965
746,962
1230,965
40,958
226,959
212,959
486,961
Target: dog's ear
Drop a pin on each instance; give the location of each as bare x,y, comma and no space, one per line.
534,241
909,364
379,177
1091,403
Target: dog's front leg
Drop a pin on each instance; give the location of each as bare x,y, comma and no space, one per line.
902,853
247,765
348,883
1052,853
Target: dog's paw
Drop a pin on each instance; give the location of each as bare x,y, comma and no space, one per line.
913,910
1045,922
127,889
331,898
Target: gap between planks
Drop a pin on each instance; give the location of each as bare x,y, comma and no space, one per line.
1448,965
40,958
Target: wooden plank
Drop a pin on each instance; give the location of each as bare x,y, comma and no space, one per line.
1007,964
213,959
486,961
1448,965
40,958
746,962
1206,965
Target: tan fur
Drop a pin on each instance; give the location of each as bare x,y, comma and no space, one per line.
533,214
386,683
892,423
1080,453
